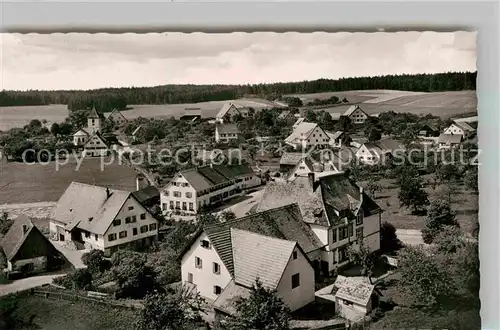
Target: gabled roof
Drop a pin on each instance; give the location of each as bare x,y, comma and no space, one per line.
464,126
117,112
226,301
298,121
377,148
258,256
284,114
450,138
225,109
321,200
228,128
94,114
351,109
15,237
88,207
334,136
353,289
283,222
291,158
302,132
81,131
100,136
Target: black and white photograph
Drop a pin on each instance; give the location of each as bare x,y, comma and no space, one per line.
244,180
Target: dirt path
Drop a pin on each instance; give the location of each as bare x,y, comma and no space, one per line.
27,283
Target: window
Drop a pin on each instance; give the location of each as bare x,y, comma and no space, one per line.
164,206
185,184
177,205
166,192
111,237
334,235
122,234
189,195
130,208
198,263
134,218
117,222
144,229
143,216
87,234
184,206
171,205
343,254
216,268
359,233
134,231
205,244
342,233
191,207
295,280
217,290
351,231
128,220
190,278
294,255
177,194
96,237
152,226
359,219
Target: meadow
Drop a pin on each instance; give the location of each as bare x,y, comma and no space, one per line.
444,104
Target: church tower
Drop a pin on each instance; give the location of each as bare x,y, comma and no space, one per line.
95,121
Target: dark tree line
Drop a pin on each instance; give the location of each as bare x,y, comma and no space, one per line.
107,98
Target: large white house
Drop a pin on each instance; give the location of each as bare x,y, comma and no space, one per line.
225,133
195,188
101,218
223,263
228,110
356,114
337,210
307,135
460,128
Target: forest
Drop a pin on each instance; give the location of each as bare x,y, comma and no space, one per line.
108,98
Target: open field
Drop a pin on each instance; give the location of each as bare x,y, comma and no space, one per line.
22,183
444,104
55,314
464,203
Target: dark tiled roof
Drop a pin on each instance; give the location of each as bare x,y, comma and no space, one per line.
213,176
291,158
450,138
14,239
146,193
202,178
94,114
228,128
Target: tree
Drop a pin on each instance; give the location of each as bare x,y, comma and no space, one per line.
439,215
55,129
262,310
449,239
227,215
95,262
5,223
176,309
388,239
471,179
412,194
135,278
375,134
11,319
362,257
422,276
79,279
165,265
311,116
373,186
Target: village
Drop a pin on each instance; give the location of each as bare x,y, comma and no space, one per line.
312,215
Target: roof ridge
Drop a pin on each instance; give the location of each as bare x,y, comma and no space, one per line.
96,186
258,234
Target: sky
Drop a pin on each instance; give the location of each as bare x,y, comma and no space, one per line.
88,61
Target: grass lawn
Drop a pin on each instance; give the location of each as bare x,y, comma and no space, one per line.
22,183
55,314
464,203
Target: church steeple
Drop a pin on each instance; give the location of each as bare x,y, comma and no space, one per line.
95,120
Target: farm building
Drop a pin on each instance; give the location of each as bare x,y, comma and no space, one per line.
101,218
428,130
371,153
117,117
191,114
307,135
460,128
447,141
289,160
336,139
27,250
228,110
225,133
356,114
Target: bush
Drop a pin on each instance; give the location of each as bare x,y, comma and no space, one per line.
80,279
95,262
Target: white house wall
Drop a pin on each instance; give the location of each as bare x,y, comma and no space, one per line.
358,116
321,232
167,196
204,278
371,232
124,212
304,293
455,130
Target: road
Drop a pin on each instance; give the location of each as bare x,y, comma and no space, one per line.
410,236
27,283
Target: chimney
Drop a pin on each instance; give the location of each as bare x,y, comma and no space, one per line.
311,178
108,193
25,229
361,191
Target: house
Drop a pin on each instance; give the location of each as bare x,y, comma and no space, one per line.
117,117
336,139
303,168
224,263
307,135
205,186
356,114
354,297
80,137
298,122
371,153
225,133
447,141
98,146
27,250
460,128
191,114
428,130
287,116
95,121
228,110
101,218
148,196
289,160
338,211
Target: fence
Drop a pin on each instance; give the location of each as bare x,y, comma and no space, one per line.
94,297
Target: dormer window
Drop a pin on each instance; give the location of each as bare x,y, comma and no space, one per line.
205,244
91,218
